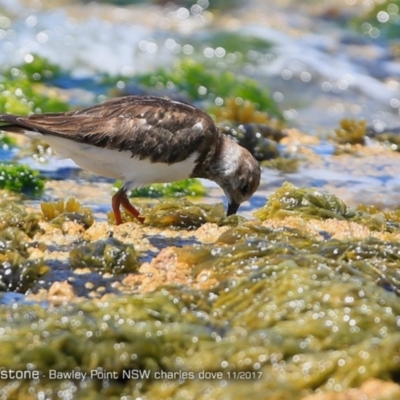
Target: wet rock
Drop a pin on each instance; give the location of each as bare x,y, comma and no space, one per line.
61,293
164,269
255,138
70,210
13,214
371,389
182,214
108,255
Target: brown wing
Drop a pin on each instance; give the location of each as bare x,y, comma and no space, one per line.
149,127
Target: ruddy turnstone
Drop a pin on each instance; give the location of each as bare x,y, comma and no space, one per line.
143,140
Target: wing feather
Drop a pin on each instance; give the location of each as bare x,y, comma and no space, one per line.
149,127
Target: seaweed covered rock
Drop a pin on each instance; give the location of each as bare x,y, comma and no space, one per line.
182,214
207,82
390,137
290,200
310,203
18,274
108,255
20,179
15,215
351,132
187,187
17,271
257,139
245,112
285,329
21,91
284,164
67,210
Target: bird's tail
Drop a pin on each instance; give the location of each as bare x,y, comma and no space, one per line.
10,123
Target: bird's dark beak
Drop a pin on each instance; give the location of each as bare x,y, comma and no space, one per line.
232,208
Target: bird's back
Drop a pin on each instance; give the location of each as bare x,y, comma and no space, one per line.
153,128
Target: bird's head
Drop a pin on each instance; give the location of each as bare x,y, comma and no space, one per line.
239,174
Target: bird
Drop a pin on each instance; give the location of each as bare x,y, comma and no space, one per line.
143,140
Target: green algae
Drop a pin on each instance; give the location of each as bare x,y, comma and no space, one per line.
188,187
22,89
15,215
6,141
183,214
21,179
310,203
110,255
243,112
17,272
351,132
248,247
259,140
205,82
233,42
286,329
307,203
67,210
13,239
288,314
392,139
36,69
283,164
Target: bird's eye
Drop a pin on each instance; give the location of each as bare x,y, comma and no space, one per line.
245,189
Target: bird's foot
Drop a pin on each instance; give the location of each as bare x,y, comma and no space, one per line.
140,219
120,199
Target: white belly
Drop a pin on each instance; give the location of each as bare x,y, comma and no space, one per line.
119,164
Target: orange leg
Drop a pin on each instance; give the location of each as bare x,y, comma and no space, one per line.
120,199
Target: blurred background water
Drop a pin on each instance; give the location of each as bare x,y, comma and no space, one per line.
318,66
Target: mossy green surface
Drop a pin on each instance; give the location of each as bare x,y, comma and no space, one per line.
18,273
6,140
283,164
67,210
288,313
183,214
22,89
109,255
351,132
201,82
14,215
310,203
391,139
290,200
35,69
259,140
21,179
287,326
237,43
243,112
188,187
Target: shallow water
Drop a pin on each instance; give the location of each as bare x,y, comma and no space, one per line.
319,70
